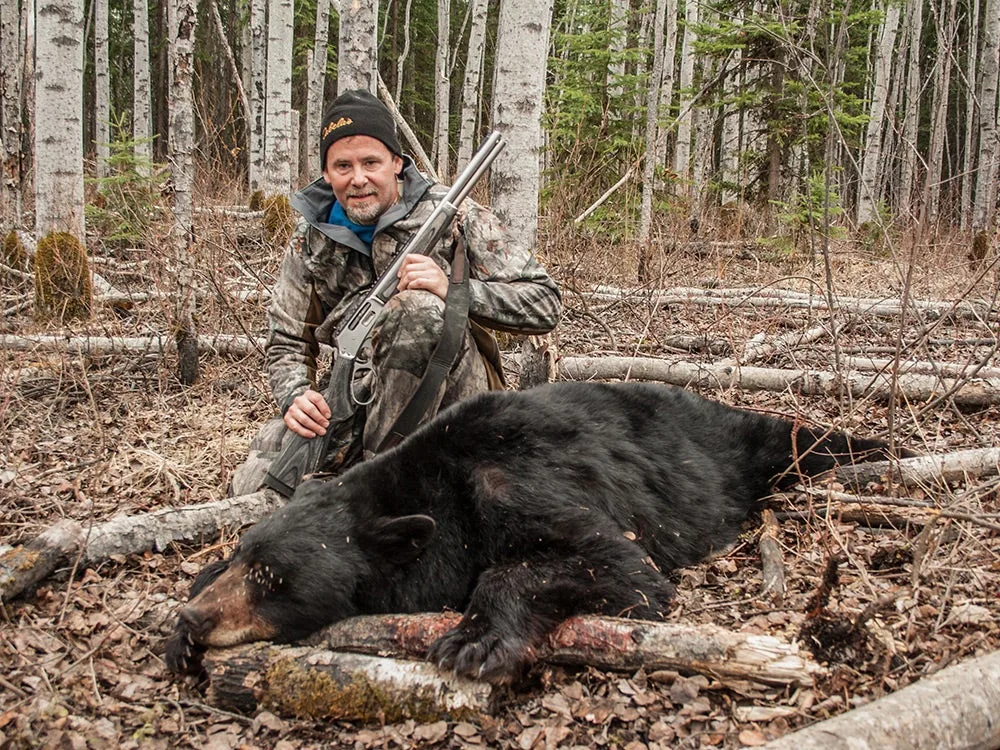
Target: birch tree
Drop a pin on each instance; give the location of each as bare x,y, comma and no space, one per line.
10,113
471,94
944,21
141,124
278,105
102,87
971,118
317,80
357,47
442,88
870,191
58,117
652,127
258,92
989,143
522,51
911,113
682,151
181,19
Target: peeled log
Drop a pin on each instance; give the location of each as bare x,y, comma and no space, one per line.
318,683
603,642
954,708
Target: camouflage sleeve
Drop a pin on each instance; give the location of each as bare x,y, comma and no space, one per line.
510,290
294,314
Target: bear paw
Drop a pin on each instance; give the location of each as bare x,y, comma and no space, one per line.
485,655
183,655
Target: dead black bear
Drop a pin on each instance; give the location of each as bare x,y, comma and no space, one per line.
517,508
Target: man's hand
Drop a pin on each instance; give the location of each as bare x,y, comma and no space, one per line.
309,414
420,272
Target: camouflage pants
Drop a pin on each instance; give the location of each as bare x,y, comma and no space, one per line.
402,344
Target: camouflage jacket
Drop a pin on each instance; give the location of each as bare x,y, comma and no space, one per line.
325,267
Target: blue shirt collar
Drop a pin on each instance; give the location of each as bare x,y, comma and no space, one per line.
338,217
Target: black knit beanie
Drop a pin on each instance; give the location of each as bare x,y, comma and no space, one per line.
357,113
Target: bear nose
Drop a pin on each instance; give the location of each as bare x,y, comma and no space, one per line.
198,623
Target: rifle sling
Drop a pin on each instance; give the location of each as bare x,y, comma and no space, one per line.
456,315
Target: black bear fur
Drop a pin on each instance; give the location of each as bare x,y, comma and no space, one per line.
517,508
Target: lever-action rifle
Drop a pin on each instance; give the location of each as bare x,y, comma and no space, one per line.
301,455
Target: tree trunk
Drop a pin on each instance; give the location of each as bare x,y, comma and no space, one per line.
10,115
954,708
989,143
969,152
102,88
870,190
141,122
471,93
58,118
442,89
278,117
258,93
906,200
682,151
522,52
317,85
652,134
182,18
358,47
404,55
945,24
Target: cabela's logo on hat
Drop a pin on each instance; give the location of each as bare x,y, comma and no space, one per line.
334,125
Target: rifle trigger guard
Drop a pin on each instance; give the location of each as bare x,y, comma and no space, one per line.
360,373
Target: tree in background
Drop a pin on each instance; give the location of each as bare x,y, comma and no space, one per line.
182,20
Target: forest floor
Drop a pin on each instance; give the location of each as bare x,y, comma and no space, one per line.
90,437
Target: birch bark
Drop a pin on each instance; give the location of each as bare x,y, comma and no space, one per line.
317,84
258,92
102,87
182,18
442,88
471,95
989,143
522,51
358,45
871,180
277,109
141,128
58,117
10,114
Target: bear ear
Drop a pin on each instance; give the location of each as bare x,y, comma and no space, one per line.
401,539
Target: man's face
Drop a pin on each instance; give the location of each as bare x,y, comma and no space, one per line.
362,172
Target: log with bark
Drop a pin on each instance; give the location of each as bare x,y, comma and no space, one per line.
25,565
924,470
319,683
327,680
879,386
954,708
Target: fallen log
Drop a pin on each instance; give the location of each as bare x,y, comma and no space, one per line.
331,679
878,386
25,565
954,708
790,298
82,344
605,642
757,349
924,470
772,563
316,683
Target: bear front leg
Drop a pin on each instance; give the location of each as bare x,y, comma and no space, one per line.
514,607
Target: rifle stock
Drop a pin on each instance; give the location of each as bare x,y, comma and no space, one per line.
300,456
